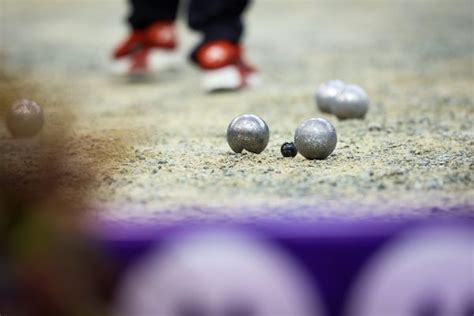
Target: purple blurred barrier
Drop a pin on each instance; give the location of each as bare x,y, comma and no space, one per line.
414,268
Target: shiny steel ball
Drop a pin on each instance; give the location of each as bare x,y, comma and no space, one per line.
24,119
248,132
351,103
315,138
326,94
288,150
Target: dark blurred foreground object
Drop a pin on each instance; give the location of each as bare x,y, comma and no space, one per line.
47,265
25,118
50,272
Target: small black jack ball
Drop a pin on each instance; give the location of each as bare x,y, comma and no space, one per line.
288,150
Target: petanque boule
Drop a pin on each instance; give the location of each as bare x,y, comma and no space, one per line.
24,118
315,138
288,150
351,103
326,94
249,132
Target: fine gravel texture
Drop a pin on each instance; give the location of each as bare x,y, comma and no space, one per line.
158,146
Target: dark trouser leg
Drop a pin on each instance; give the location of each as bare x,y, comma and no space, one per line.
146,12
217,19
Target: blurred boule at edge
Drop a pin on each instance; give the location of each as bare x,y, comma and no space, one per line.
351,103
25,118
326,94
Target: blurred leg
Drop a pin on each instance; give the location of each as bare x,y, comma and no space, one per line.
146,12
218,19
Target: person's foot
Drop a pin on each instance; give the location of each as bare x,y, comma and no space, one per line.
138,53
224,68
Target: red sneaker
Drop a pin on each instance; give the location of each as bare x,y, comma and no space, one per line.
224,67
131,44
137,53
161,35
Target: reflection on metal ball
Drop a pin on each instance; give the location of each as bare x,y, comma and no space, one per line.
248,132
315,138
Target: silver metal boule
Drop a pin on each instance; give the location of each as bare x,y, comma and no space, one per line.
249,132
315,138
326,94
351,103
25,118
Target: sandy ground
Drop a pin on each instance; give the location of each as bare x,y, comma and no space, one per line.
159,147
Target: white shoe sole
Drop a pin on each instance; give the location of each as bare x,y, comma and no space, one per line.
120,67
228,78
158,61
165,60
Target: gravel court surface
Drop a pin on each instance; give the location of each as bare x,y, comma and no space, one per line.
159,146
